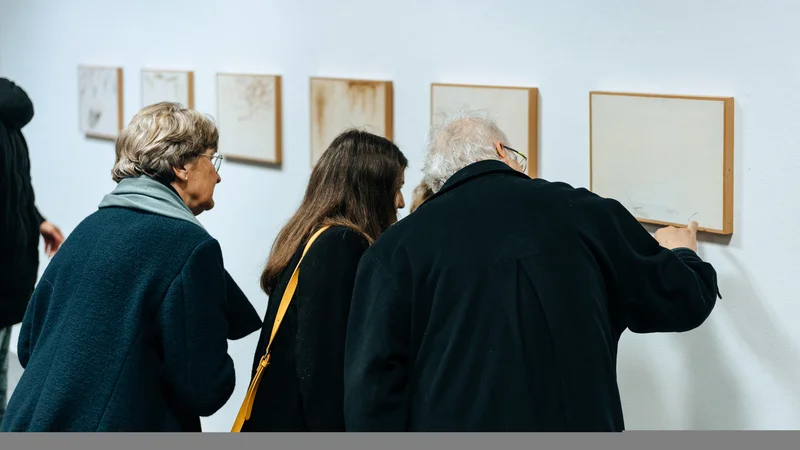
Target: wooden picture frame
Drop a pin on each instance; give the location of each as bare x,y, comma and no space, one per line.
100,101
340,103
684,142
250,118
159,85
519,117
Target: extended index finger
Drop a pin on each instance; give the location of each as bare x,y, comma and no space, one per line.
693,226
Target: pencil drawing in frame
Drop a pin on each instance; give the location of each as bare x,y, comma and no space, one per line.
249,117
516,110
668,159
168,86
340,103
100,101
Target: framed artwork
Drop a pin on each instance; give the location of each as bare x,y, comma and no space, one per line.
338,104
516,110
100,101
167,86
249,118
667,158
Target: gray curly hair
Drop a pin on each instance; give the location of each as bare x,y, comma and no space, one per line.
457,140
162,136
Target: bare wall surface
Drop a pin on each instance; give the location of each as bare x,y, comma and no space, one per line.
738,371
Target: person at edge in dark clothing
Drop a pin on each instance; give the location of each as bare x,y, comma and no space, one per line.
20,221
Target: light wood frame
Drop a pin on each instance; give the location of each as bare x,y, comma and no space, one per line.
278,161
120,103
728,146
388,125
189,83
533,118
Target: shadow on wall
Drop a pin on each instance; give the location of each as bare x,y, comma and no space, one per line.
713,385
713,397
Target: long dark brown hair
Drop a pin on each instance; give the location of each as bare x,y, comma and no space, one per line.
353,184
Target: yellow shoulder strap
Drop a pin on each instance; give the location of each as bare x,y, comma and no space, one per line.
247,405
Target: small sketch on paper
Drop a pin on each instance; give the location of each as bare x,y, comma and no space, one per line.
166,86
94,117
248,117
647,210
256,97
337,104
170,83
98,97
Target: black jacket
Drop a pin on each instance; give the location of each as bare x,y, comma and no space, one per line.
19,218
302,389
127,329
498,306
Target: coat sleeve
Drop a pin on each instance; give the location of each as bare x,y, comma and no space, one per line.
242,316
193,329
16,108
322,310
377,358
653,289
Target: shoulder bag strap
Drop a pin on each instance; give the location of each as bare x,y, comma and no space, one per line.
247,406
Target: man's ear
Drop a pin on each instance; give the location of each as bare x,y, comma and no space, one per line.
181,174
501,152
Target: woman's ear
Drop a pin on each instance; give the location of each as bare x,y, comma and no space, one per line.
181,174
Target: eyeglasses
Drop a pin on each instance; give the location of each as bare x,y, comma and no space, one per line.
216,160
521,159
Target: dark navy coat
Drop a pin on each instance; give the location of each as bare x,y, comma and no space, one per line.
127,330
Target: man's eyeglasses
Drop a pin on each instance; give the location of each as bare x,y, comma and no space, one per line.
216,160
521,159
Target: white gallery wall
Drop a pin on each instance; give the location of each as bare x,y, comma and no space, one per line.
740,370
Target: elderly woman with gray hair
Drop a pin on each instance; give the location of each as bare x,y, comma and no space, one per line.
127,329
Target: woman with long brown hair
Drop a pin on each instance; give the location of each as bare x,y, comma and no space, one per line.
354,191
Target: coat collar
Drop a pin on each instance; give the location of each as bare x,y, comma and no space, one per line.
476,170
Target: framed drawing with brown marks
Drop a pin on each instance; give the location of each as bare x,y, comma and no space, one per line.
249,118
100,101
338,104
516,110
667,158
167,86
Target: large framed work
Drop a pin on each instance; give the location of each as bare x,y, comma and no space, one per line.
667,158
100,101
167,86
516,110
338,104
249,118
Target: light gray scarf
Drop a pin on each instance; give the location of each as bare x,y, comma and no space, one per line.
146,194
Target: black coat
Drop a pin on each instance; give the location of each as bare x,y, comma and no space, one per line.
127,329
19,218
498,306
302,389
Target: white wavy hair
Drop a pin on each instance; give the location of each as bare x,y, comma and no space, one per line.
458,140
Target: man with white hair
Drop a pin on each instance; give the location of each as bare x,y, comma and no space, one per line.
498,304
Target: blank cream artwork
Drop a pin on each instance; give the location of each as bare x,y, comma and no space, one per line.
514,108
167,86
100,101
338,104
667,159
249,117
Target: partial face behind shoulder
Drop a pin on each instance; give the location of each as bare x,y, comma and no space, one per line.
399,201
196,182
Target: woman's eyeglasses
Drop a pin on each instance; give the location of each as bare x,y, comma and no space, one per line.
216,160
521,159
